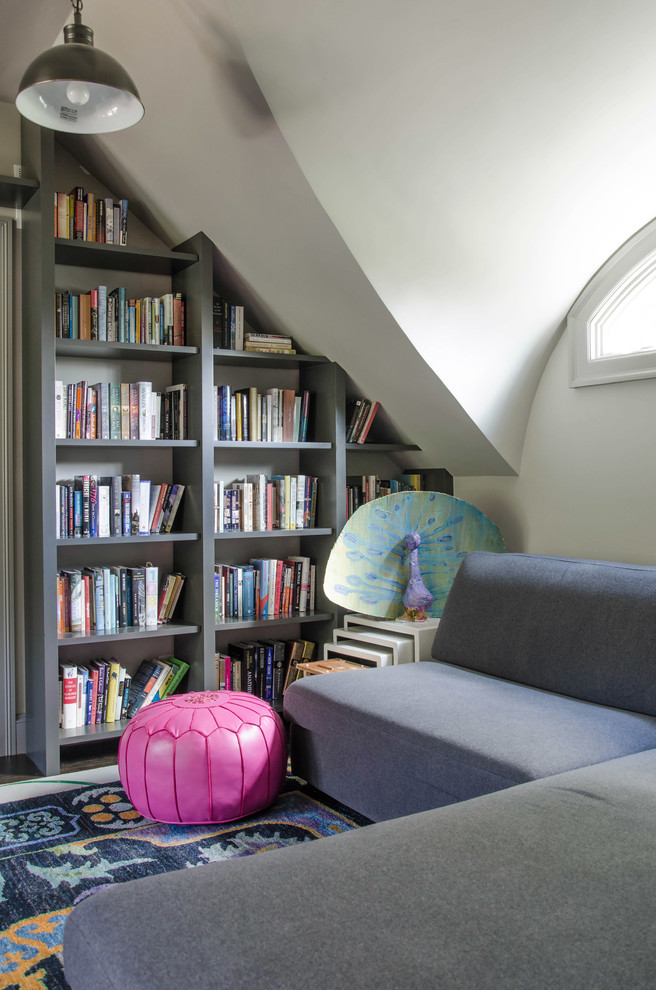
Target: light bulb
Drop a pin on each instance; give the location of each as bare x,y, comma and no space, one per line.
77,93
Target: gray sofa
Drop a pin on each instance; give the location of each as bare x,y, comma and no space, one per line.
531,740
542,665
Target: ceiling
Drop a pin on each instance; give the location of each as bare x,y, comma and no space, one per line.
418,190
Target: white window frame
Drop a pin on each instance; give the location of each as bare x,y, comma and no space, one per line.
623,273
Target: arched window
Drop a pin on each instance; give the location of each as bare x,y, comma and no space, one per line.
612,325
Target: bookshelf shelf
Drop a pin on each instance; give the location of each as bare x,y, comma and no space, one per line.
96,541
68,442
16,192
65,347
268,534
256,359
89,254
380,448
87,733
232,625
261,445
130,632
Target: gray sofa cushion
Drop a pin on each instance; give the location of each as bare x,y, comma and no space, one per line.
548,886
400,739
582,628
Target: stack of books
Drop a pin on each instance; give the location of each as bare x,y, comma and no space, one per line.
268,343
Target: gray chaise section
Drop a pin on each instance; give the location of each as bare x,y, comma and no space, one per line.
547,886
543,665
403,739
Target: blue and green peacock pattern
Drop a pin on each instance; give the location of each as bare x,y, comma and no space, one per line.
369,566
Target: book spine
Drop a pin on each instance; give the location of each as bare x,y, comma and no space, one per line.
123,229
145,397
151,578
69,696
109,221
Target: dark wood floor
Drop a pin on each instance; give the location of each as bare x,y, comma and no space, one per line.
74,759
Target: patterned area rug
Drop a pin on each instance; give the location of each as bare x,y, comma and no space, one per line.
57,849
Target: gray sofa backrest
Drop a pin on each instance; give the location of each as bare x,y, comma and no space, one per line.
582,628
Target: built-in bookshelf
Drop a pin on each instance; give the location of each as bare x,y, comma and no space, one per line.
202,460
58,268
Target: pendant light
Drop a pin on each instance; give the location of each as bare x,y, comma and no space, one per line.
77,88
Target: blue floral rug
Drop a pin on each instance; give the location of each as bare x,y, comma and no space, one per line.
57,849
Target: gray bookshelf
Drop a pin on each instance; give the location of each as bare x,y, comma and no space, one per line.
49,264
191,268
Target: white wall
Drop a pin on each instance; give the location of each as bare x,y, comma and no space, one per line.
587,482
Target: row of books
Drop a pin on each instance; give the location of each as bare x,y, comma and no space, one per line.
258,503
100,599
364,488
98,506
112,316
84,216
264,588
279,415
120,411
360,414
264,668
103,691
93,693
228,325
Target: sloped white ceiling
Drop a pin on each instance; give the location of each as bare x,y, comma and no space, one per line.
419,190
480,159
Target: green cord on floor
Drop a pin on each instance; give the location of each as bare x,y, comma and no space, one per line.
55,780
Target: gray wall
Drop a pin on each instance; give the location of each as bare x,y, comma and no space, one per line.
12,597
587,481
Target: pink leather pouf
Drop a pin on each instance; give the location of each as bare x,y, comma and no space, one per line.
206,756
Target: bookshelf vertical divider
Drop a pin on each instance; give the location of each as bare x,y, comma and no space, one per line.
40,555
196,560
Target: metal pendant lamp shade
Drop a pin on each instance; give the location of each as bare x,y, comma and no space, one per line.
77,88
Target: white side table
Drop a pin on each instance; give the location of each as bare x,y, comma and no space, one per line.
366,653
421,634
402,646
